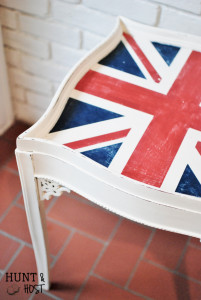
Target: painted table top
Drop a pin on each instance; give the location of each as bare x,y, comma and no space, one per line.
137,112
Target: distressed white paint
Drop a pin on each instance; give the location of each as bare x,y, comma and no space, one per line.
42,157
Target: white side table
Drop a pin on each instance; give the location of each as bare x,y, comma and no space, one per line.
123,130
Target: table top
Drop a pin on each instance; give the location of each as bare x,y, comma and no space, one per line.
137,112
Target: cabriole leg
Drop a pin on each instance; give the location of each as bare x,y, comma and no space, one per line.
35,215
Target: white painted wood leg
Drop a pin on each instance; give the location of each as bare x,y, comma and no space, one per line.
35,216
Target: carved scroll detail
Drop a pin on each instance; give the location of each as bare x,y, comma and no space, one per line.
48,188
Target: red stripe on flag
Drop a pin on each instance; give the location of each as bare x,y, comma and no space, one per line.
154,74
173,114
98,139
121,92
198,147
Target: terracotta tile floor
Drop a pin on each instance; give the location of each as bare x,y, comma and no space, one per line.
95,255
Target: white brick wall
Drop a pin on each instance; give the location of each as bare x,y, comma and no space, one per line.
50,31
33,7
138,10
82,16
8,18
179,20
25,43
45,38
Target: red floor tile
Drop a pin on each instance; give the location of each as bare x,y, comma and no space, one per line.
123,252
42,297
196,242
6,150
7,193
15,223
8,248
12,163
21,201
160,284
46,202
12,133
73,266
24,263
87,218
100,290
166,248
191,263
57,235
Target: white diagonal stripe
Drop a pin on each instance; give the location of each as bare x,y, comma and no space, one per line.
90,130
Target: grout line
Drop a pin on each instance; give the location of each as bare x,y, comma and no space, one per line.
15,172
51,295
182,254
114,231
10,206
17,197
99,257
32,295
187,277
62,248
45,293
107,280
19,205
16,239
1,275
172,271
158,17
195,246
119,286
50,205
13,257
77,230
139,294
140,258
159,265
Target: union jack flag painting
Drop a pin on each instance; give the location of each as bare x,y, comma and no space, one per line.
137,112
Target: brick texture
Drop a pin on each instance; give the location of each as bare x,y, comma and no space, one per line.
30,82
66,55
83,17
130,8
25,43
8,18
51,31
45,69
36,7
190,6
37,100
12,57
181,21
